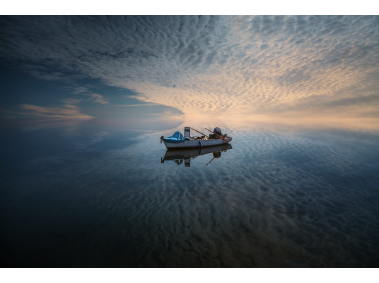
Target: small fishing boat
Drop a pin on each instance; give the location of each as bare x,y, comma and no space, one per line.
177,140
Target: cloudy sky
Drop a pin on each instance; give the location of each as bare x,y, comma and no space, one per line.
82,67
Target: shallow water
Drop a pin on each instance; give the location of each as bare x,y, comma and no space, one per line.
105,197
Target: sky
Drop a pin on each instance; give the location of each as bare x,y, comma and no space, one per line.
275,67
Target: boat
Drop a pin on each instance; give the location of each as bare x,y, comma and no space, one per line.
177,140
187,155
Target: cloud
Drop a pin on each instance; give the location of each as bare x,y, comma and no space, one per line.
93,97
211,64
97,98
68,111
80,89
44,73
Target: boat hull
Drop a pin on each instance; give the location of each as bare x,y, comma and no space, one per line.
196,143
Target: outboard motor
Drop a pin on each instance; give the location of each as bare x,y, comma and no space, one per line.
217,131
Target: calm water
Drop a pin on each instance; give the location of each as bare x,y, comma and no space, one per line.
107,197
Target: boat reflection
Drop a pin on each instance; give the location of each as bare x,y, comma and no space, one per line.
187,155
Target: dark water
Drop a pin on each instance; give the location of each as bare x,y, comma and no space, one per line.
106,197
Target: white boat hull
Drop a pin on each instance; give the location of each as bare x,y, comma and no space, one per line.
196,143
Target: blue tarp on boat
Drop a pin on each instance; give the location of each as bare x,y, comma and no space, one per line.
177,137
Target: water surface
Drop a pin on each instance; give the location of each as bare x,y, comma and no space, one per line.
281,196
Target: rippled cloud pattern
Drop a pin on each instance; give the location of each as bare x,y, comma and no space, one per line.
261,65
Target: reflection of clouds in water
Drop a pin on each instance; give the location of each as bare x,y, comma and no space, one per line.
276,199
